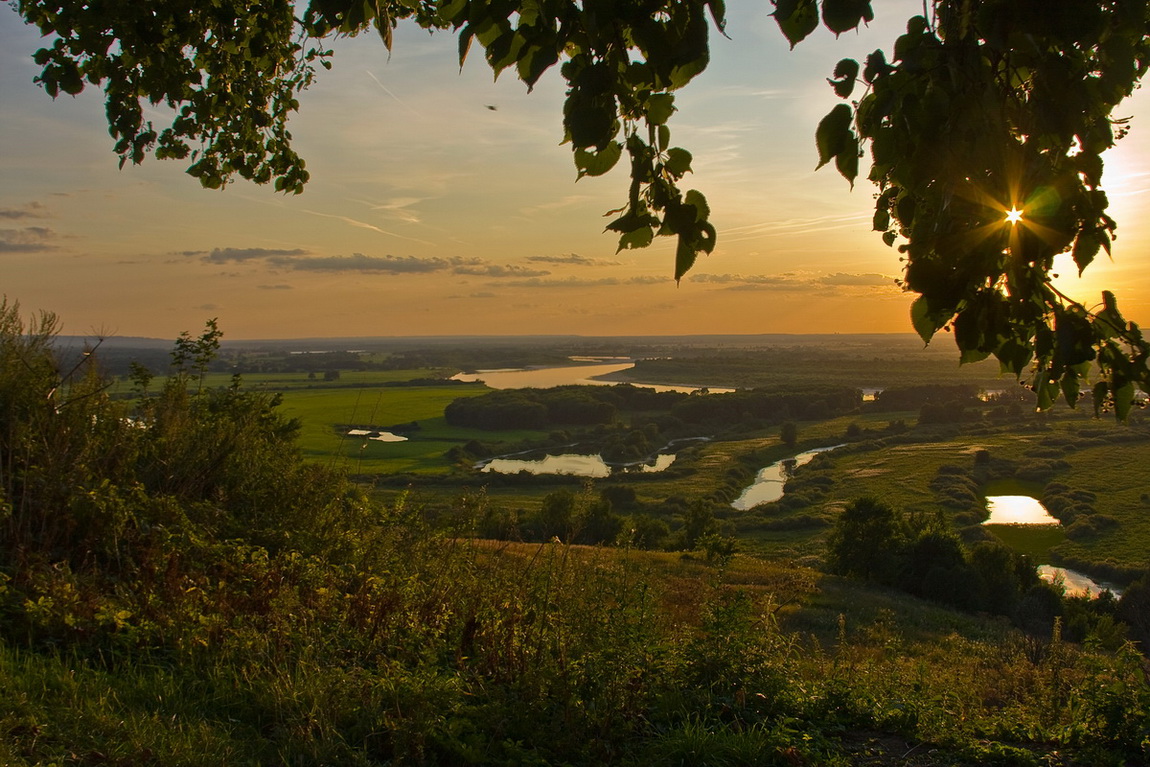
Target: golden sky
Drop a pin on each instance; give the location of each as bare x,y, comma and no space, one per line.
430,214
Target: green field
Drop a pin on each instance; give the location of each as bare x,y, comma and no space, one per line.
328,413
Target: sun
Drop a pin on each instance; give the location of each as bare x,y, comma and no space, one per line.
1013,216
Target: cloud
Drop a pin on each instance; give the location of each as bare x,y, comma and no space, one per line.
576,282
747,281
482,294
566,202
358,262
223,255
572,258
498,270
280,286
863,280
32,239
28,210
794,282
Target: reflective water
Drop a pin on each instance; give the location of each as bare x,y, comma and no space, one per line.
769,482
1076,583
1017,510
378,436
573,463
546,378
1025,510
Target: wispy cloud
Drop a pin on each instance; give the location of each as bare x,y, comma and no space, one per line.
280,286
498,270
577,282
572,258
32,239
364,225
224,255
358,262
795,282
857,280
794,226
569,201
28,210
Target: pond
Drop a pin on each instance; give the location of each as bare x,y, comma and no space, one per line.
576,464
378,436
1016,511
580,374
1076,583
769,482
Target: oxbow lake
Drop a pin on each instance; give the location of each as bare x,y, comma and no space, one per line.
769,482
378,436
1025,510
572,463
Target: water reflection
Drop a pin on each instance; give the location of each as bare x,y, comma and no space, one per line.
582,375
575,464
1025,510
1017,510
1076,583
377,436
769,482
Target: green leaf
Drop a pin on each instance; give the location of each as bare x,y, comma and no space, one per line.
843,15
846,71
598,163
875,66
923,318
796,19
1123,399
695,198
1070,387
1101,390
847,160
678,161
639,238
833,134
1086,247
684,257
660,107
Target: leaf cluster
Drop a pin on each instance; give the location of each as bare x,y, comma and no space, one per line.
995,108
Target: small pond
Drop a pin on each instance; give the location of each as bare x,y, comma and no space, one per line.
573,463
1023,510
769,482
1017,510
1076,583
378,436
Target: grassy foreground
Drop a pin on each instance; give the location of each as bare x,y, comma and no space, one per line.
459,652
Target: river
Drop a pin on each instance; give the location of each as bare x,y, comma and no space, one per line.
579,374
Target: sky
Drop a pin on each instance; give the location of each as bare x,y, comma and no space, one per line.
429,213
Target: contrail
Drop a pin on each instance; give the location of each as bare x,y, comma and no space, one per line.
365,225
389,93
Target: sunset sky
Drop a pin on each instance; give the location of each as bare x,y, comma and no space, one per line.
430,214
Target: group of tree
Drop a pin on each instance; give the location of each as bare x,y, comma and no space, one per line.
873,541
612,517
592,405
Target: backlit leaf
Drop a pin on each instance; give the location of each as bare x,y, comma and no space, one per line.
796,19
833,134
844,81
